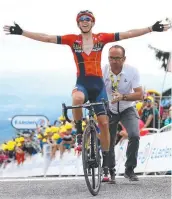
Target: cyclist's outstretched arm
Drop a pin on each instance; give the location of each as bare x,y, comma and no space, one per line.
40,37
158,27
17,30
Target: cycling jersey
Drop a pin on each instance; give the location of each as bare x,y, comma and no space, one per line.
88,65
89,73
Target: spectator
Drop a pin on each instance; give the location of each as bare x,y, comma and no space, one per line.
142,107
3,157
62,120
164,117
168,120
40,137
30,145
55,145
52,136
166,102
67,140
20,157
156,104
150,114
11,150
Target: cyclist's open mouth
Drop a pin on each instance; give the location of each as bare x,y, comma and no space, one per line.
85,26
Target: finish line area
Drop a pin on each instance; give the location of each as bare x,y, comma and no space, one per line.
149,187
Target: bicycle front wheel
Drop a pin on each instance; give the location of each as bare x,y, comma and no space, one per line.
91,160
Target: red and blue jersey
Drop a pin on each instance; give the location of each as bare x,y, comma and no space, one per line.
88,65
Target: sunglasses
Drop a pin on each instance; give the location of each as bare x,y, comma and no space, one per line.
85,18
147,100
115,58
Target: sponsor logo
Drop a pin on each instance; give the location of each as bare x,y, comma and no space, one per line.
98,47
77,47
157,153
143,155
24,122
29,121
41,122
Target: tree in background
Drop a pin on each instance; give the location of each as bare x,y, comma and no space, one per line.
164,57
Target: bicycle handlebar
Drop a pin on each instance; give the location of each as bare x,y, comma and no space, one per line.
86,105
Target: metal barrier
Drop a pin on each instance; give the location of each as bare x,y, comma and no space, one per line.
153,130
163,129
166,128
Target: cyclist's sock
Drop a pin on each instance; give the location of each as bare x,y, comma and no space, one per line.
105,159
78,125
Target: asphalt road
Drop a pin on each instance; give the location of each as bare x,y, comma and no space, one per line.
75,188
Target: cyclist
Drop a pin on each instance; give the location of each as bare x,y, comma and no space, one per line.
87,49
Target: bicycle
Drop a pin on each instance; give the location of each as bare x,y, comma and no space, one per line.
91,158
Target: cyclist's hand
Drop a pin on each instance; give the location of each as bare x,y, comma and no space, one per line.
159,27
15,30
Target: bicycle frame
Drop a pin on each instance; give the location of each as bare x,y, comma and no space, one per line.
88,106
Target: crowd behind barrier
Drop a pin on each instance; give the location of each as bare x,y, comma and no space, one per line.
61,136
155,155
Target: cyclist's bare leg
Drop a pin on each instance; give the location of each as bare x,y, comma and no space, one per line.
104,140
78,98
104,129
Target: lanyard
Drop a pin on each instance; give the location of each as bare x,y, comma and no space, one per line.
114,84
